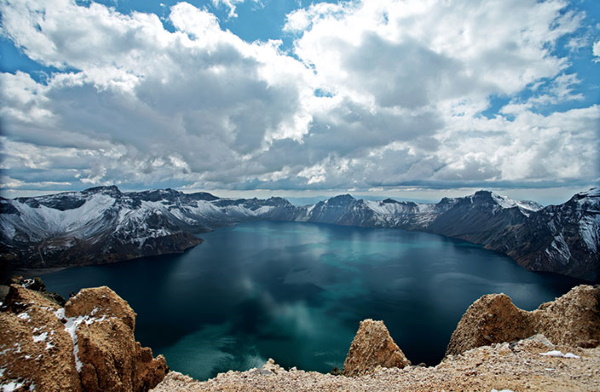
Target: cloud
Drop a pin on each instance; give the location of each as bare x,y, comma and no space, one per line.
384,93
231,5
596,51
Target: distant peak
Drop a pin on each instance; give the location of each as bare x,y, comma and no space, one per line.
484,193
109,190
341,199
592,192
202,196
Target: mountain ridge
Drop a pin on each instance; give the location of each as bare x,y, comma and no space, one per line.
102,224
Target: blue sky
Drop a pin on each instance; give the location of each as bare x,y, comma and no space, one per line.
413,99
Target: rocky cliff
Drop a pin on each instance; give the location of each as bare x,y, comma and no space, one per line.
87,345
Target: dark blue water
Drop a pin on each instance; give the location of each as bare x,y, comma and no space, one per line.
295,292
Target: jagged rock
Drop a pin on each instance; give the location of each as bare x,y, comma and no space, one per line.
35,284
493,318
573,319
87,346
372,347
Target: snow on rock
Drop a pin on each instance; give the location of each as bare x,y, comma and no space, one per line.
89,344
557,353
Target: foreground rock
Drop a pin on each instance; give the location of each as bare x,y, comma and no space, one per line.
517,367
88,345
573,320
373,347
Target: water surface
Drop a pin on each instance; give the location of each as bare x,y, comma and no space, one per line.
296,292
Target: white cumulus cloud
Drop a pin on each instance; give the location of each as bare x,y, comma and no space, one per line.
375,94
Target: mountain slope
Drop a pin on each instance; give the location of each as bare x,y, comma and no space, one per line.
564,239
101,225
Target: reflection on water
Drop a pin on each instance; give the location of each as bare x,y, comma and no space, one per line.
295,292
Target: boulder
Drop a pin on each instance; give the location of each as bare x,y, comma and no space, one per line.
87,346
493,318
573,320
373,347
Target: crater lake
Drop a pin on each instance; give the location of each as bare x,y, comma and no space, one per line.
295,292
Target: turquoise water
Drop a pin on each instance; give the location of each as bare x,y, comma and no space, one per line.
296,292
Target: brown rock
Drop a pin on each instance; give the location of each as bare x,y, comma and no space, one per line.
372,347
573,319
35,348
493,318
89,345
112,359
99,302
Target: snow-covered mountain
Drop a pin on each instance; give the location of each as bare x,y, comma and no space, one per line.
103,224
563,238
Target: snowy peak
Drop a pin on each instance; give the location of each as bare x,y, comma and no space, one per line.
340,200
488,197
106,190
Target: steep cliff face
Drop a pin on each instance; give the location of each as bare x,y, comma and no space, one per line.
88,345
563,239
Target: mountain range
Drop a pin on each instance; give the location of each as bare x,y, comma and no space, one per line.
102,225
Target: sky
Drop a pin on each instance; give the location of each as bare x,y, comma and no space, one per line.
416,99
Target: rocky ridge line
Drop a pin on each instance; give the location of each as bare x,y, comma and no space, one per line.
103,225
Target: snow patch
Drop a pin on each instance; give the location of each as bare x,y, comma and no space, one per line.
24,316
40,338
71,327
11,386
556,353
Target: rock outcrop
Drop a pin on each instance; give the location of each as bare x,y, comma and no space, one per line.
373,347
573,319
88,345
